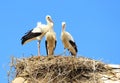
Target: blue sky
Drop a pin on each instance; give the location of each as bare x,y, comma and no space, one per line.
94,24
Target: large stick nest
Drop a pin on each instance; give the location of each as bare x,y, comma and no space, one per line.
60,69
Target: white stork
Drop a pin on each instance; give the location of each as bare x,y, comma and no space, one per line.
50,42
68,41
38,32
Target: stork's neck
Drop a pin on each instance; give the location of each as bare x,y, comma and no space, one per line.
63,29
49,26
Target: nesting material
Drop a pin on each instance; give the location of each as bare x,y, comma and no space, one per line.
60,69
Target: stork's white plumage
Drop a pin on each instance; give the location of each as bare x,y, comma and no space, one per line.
38,32
68,41
50,42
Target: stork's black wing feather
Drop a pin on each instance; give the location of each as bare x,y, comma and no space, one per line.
46,46
29,35
55,44
74,45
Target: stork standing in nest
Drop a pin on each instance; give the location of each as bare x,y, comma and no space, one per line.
68,41
50,42
38,32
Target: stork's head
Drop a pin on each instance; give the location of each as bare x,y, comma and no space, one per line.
63,25
49,19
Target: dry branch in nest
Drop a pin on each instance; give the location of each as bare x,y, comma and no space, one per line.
60,69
